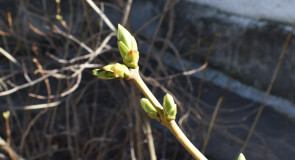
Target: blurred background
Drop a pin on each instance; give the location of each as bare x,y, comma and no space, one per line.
229,65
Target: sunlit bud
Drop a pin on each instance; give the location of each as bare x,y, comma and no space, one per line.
124,36
133,44
6,114
169,107
58,17
101,74
128,47
112,71
241,157
119,70
131,59
148,108
122,48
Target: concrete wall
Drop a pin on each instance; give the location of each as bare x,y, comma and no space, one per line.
274,10
252,36
248,47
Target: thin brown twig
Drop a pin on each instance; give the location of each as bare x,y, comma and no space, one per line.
12,154
16,88
102,15
178,56
28,129
77,68
46,80
38,106
9,19
154,18
2,33
206,140
155,83
138,126
155,34
150,139
8,56
126,12
204,71
36,30
26,72
185,73
273,79
71,37
163,51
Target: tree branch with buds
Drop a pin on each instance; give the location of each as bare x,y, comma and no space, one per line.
165,113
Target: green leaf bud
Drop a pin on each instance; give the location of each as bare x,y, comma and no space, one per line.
170,108
122,48
148,108
133,44
124,36
102,74
131,59
119,70
112,71
241,157
6,114
128,47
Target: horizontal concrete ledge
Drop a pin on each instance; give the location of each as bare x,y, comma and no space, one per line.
274,10
221,80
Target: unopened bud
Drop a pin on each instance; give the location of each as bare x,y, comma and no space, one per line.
241,157
170,108
131,59
128,47
124,36
122,48
148,108
6,114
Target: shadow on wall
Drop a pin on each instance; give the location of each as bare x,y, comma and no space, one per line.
247,49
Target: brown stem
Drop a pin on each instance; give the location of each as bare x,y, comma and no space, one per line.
12,154
171,125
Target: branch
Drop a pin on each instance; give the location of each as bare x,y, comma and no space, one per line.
171,125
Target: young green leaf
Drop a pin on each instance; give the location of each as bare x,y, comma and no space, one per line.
112,71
